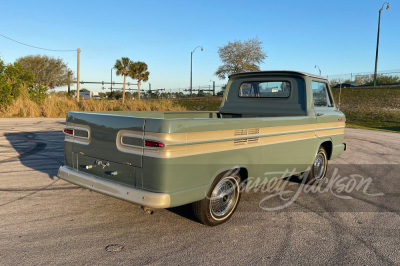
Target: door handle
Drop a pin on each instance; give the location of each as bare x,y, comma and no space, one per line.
319,114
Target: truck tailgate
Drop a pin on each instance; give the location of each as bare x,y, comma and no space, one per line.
108,138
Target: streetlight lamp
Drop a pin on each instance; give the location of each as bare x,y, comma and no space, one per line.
191,63
318,69
377,39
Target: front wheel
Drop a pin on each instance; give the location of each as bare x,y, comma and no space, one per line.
221,201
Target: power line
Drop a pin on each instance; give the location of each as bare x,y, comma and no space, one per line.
36,46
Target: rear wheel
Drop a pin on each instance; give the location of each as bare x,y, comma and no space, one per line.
318,169
221,201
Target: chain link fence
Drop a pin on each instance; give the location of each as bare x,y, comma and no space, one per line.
172,93
388,77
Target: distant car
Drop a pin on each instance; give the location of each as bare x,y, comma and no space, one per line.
345,85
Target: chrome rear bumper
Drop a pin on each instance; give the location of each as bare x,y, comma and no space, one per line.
138,196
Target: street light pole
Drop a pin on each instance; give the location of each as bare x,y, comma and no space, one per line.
377,40
318,69
191,64
77,74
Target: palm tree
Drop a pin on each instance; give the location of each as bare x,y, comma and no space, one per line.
122,67
138,71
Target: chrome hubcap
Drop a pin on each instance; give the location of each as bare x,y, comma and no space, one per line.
223,198
319,166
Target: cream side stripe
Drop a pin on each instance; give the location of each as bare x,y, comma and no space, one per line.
194,138
329,132
196,149
330,125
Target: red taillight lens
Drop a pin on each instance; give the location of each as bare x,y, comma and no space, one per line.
68,131
150,143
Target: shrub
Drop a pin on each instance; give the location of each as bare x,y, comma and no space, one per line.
38,94
6,97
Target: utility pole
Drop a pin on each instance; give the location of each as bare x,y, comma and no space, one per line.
111,80
213,88
77,76
69,83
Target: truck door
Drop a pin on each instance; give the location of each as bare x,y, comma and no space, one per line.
328,117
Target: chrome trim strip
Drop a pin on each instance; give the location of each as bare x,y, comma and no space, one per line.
132,149
109,188
78,139
82,129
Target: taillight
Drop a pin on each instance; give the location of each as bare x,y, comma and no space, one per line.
69,131
154,144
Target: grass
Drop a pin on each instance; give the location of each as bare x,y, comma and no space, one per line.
55,107
200,104
376,108
381,126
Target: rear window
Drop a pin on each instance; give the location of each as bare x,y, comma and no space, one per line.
265,89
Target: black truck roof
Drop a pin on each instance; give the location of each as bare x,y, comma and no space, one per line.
274,72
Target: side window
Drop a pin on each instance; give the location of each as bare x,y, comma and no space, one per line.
320,94
265,89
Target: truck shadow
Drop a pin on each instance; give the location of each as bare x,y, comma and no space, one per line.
350,188
41,151
184,211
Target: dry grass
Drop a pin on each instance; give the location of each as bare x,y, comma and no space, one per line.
55,107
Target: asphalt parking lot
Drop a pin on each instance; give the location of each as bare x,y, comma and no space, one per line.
45,220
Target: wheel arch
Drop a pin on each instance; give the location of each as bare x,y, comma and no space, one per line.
328,146
241,170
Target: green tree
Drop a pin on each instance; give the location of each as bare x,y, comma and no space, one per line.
240,56
114,95
18,77
13,79
2,66
48,71
380,79
135,94
334,82
38,94
122,67
386,79
129,95
5,93
138,71
5,87
103,95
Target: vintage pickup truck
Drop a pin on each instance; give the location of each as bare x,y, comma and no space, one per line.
268,122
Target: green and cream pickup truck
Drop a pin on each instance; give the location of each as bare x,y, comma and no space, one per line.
269,122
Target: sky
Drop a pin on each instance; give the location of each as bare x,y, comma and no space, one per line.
339,36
